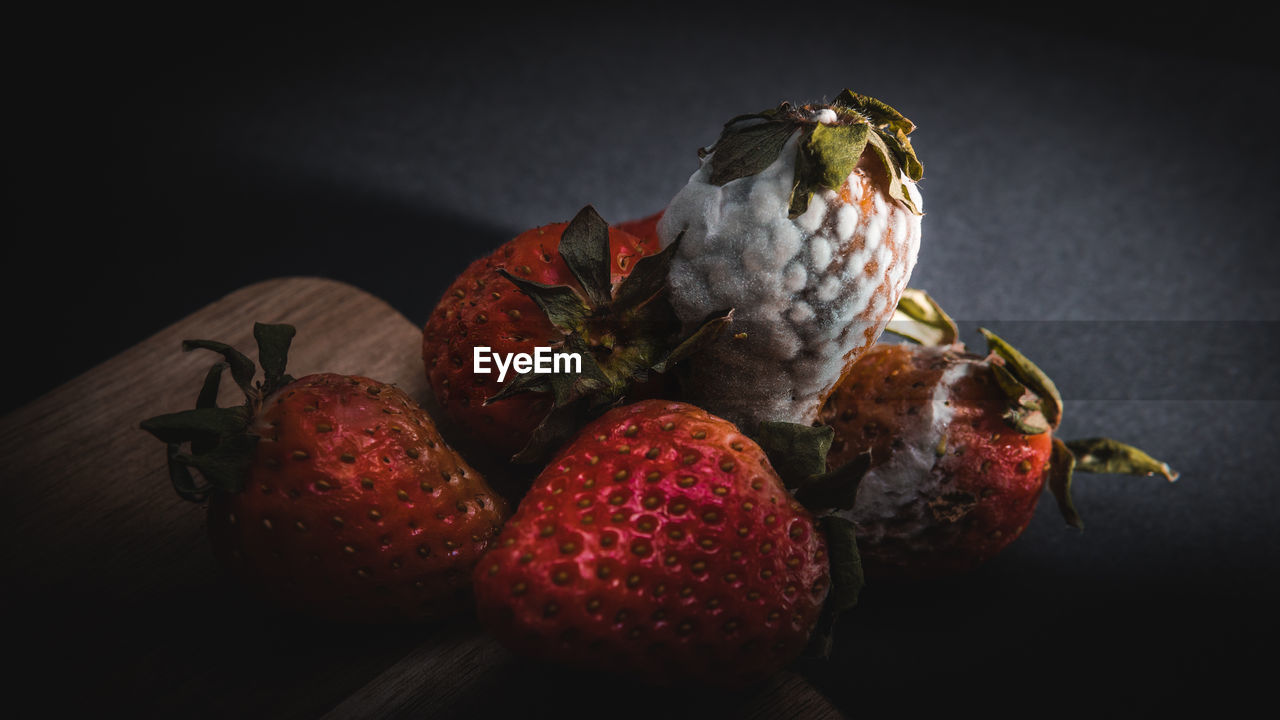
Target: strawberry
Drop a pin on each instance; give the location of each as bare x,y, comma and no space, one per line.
662,544
960,448
806,221
579,286
332,495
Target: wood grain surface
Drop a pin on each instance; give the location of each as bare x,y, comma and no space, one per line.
117,603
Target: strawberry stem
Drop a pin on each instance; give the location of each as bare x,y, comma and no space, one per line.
221,444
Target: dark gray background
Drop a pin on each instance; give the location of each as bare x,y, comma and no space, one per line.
1099,185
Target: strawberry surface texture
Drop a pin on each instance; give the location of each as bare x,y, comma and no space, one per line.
951,483
482,308
355,508
331,495
660,544
806,221
958,448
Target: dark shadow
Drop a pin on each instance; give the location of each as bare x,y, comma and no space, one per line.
207,235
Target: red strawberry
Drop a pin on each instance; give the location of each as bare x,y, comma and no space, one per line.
579,287
333,495
482,308
659,543
961,447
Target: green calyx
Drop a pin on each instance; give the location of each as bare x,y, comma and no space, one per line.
1036,407
622,334
1101,456
1035,403
219,444
799,455
828,150
919,318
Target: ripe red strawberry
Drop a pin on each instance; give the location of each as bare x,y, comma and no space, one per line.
579,287
659,543
961,447
483,308
333,495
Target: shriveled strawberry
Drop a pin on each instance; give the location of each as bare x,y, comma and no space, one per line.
332,495
961,447
660,543
579,287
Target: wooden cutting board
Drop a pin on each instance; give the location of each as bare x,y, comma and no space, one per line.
123,604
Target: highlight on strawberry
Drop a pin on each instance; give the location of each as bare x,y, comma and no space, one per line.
960,447
580,287
806,220
331,495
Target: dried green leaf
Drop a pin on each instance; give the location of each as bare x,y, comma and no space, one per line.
184,483
647,278
561,303
1026,412
273,353
878,113
708,330
797,452
1062,463
770,114
846,564
209,389
199,424
584,245
907,157
1104,455
833,151
226,466
846,580
208,398
920,319
836,489
1030,375
242,368
742,151
897,190
1011,386
593,379
828,154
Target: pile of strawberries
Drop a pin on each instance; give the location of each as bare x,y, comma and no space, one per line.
708,487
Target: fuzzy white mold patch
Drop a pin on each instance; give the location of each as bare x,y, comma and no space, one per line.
809,294
893,497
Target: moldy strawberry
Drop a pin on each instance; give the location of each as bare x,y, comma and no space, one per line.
960,448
